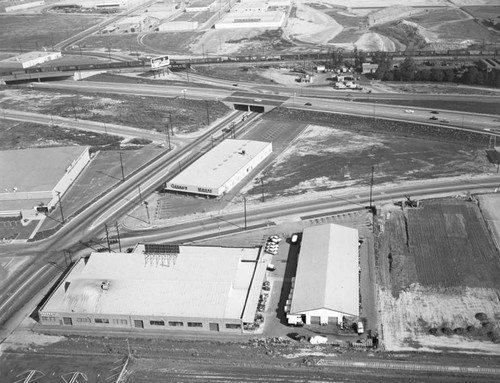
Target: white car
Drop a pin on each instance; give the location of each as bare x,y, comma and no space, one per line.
274,238
409,111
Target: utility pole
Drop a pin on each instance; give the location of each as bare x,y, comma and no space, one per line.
208,112
118,236
371,189
74,109
60,206
212,137
168,139
107,237
171,123
262,188
245,209
121,164
147,211
140,195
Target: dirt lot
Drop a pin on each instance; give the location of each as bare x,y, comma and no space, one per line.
338,151
34,32
440,261
140,112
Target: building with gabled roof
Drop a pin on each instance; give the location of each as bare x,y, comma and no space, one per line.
326,286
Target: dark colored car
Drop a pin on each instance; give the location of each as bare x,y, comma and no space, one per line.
308,104
435,112
433,118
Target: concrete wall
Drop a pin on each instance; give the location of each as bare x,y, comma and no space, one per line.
178,26
69,177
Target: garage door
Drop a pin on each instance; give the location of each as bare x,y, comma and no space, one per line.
315,319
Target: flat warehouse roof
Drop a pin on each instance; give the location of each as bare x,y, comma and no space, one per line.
40,169
201,281
327,270
217,166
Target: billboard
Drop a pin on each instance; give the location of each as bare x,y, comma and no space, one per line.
160,62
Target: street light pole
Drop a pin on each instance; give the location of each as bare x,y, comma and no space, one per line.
147,211
245,210
371,189
60,206
121,164
262,188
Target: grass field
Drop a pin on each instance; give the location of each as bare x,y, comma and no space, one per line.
33,32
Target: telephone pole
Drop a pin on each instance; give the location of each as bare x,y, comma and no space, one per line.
107,237
245,210
60,206
121,164
118,236
371,189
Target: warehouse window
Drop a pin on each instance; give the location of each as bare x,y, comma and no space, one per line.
83,320
195,324
157,323
176,324
102,320
233,325
120,321
49,319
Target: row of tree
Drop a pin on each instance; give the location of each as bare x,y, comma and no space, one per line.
409,71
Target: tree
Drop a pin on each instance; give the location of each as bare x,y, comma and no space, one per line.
437,75
449,75
423,75
359,59
408,69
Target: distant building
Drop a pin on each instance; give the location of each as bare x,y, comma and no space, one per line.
252,14
201,6
489,64
326,285
32,178
28,60
368,68
160,287
220,169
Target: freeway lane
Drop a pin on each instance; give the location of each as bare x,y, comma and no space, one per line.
479,122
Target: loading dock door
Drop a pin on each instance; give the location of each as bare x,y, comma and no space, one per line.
315,319
138,323
68,321
214,326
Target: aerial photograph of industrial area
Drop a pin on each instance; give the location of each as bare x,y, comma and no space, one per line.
226,191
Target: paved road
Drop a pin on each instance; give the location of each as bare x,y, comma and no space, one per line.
487,124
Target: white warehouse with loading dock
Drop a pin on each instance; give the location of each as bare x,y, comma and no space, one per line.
326,285
219,170
160,287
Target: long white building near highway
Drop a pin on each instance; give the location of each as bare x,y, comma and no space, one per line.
220,169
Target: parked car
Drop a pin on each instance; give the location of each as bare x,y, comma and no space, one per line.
361,328
271,267
295,239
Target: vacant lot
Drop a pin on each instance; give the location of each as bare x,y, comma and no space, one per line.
24,135
20,32
337,151
438,278
186,116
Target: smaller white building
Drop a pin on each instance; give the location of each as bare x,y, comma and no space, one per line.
30,59
200,6
220,169
326,285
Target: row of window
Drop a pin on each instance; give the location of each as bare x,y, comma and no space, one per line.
152,322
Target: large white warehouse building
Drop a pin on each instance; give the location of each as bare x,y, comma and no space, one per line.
327,280
160,287
220,169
